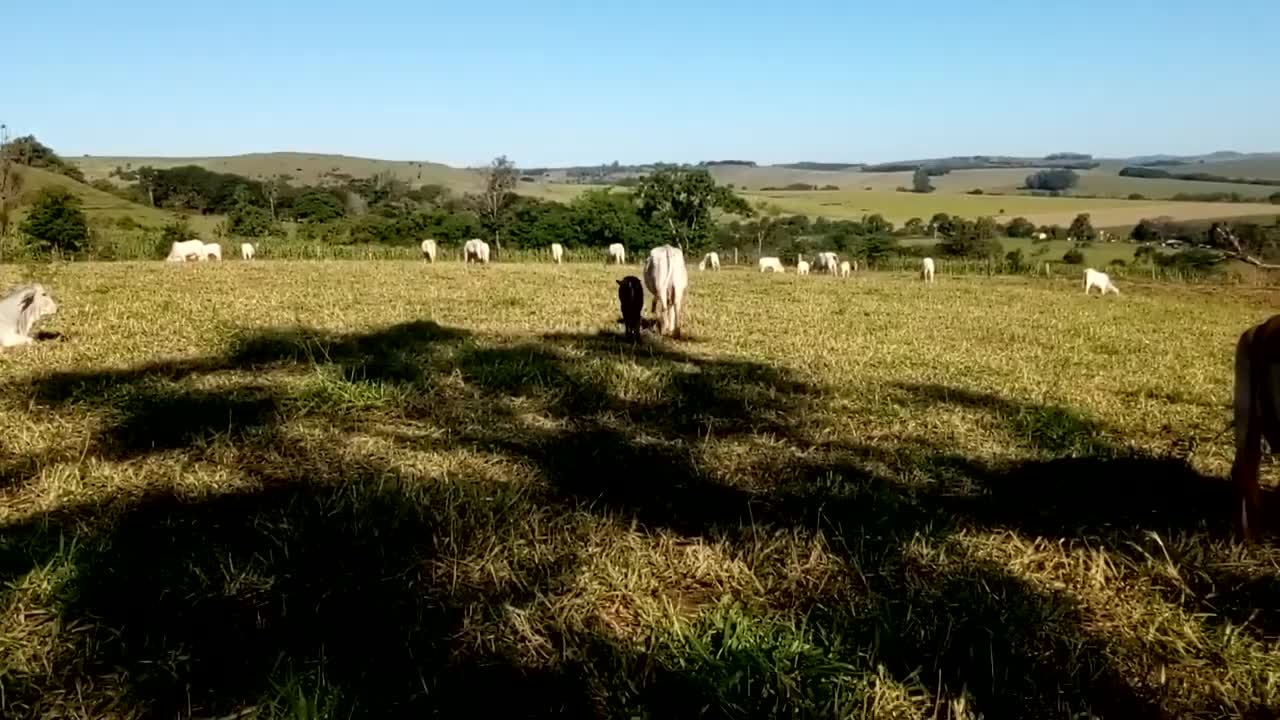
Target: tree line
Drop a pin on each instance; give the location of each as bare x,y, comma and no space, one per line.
671,205
1151,172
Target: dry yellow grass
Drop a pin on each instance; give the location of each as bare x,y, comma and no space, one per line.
376,489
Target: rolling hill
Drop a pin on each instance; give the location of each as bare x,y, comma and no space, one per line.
303,168
1100,191
102,206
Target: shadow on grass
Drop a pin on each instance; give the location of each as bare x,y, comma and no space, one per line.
384,592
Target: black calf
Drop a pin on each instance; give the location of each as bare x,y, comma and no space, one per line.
631,296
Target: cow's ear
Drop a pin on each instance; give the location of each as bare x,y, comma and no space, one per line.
619,282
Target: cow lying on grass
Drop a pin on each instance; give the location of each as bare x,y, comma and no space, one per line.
20,310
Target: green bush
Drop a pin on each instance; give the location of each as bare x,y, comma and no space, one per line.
56,221
1073,257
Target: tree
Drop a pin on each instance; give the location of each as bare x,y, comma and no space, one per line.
603,217
1247,245
249,220
680,201
767,216
985,228
146,178
318,206
1053,180
1144,232
1082,229
56,220
498,194
1020,227
914,226
10,182
920,181
273,188
876,224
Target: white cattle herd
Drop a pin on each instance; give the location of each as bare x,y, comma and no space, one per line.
665,275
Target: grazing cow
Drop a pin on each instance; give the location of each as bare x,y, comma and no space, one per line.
186,250
1257,415
429,250
615,254
1042,236
926,269
845,269
476,250
667,278
631,298
212,251
771,264
802,265
1100,280
827,261
20,310
557,253
712,260
246,251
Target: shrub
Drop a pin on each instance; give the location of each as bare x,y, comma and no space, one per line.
1140,196
1073,257
1015,261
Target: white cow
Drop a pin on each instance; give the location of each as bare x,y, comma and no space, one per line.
771,264
711,260
186,250
616,254
1042,236
557,253
476,250
246,251
827,261
845,269
802,265
667,278
212,251
926,269
429,250
1100,280
20,310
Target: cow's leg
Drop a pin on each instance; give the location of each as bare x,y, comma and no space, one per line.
1248,420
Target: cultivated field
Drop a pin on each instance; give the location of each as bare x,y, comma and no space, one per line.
384,489
1102,181
899,207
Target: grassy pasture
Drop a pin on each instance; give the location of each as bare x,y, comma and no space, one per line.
377,489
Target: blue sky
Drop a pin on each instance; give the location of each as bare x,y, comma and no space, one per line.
556,83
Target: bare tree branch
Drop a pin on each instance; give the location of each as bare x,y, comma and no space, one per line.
1238,252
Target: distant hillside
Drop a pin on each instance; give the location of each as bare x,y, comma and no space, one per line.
97,204
822,166
301,168
1079,161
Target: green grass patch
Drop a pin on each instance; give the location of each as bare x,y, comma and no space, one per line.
384,489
